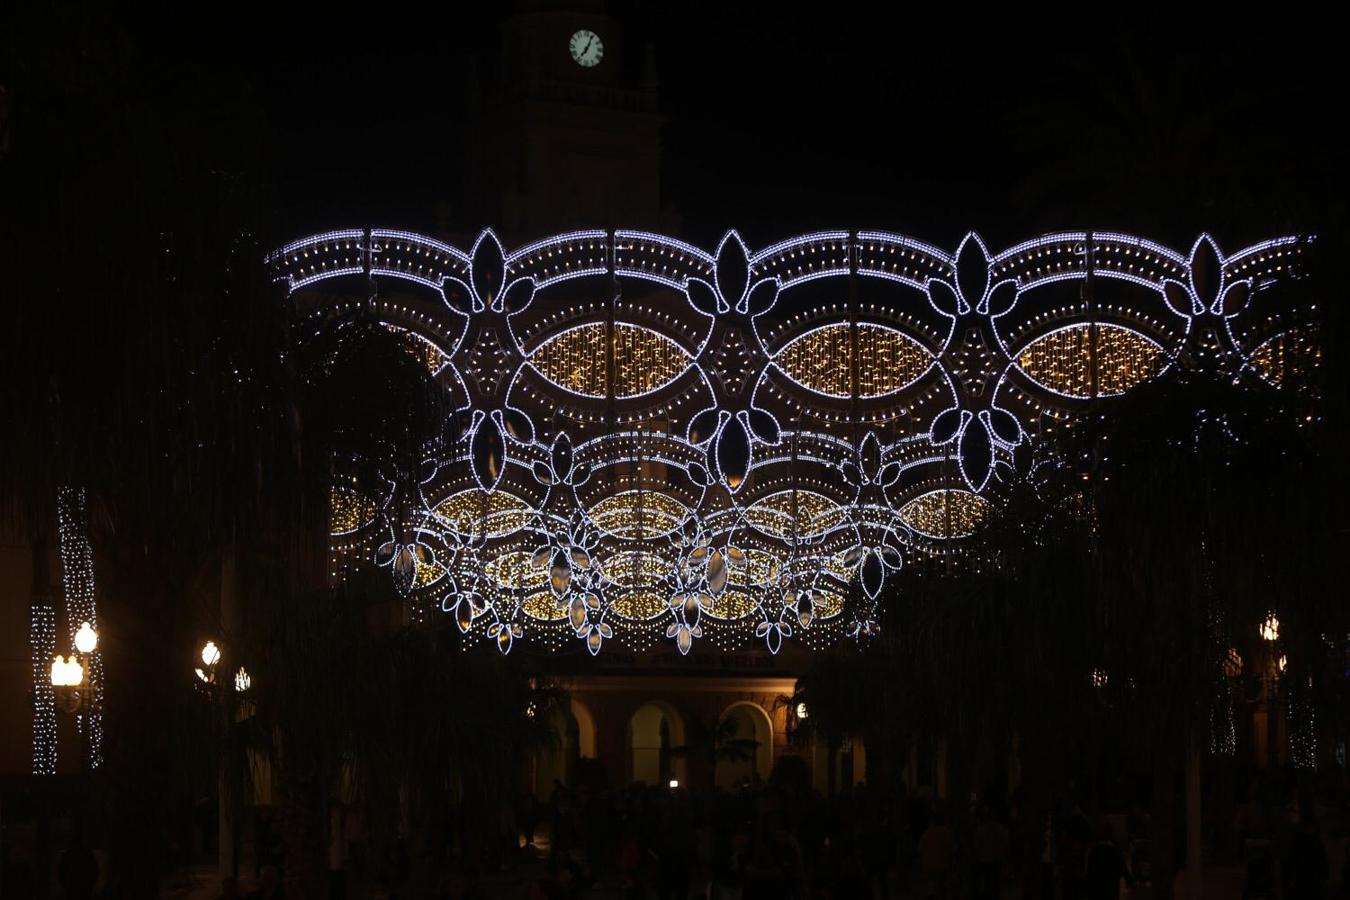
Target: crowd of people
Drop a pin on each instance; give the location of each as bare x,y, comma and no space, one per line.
767,841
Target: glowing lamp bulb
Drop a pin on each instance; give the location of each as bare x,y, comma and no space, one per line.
674,783
58,671
242,680
210,653
86,639
801,710
1269,628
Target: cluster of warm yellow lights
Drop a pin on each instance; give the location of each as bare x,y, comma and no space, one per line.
634,514
815,514
578,360
635,569
349,510
516,570
467,512
1063,360
422,350
1293,356
823,360
946,513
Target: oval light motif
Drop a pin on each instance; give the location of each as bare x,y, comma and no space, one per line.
473,511
636,569
1062,361
629,514
822,360
945,514
576,359
816,514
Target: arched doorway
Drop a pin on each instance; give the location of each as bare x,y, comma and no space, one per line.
744,745
573,732
556,760
653,733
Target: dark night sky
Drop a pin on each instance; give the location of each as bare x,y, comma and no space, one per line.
922,122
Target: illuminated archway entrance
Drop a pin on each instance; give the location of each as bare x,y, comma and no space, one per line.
744,751
654,733
573,731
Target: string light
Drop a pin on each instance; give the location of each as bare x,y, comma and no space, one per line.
77,581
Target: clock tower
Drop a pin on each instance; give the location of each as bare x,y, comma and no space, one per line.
569,134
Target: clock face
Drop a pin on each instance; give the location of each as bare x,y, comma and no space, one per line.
587,48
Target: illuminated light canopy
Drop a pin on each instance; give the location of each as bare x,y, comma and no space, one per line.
944,514
890,436
1063,360
822,360
578,360
1294,356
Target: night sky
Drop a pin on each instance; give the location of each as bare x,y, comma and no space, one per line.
923,122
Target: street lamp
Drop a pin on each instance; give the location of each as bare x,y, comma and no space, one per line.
67,674
86,639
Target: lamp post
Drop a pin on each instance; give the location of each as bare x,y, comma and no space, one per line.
74,696
1269,629
230,695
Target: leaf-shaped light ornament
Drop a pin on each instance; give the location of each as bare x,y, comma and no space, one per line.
1205,272
1003,425
975,452
873,573
732,453
773,634
806,608
505,633
731,272
717,573
947,425
560,457
684,635
464,613
487,270
762,425
405,569
560,573
703,426
517,425
487,450
972,272
576,613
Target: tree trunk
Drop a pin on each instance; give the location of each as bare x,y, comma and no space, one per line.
1164,819
1194,871
228,766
